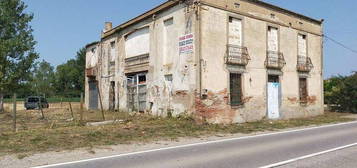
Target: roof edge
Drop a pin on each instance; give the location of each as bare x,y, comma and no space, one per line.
92,44
143,16
265,4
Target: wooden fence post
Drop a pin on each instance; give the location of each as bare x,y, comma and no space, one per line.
14,111
70,107
40,107
81,108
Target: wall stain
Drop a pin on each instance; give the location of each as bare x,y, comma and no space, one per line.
312,99
293,100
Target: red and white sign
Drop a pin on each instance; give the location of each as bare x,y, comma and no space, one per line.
186,43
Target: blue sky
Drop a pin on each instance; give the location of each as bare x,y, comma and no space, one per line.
61,27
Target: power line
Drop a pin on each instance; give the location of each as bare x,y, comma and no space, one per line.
341,44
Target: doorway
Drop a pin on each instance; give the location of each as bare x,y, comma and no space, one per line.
93,95
273,96
112,96
136,90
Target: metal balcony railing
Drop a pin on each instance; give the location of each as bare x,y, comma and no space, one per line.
304,64
237,55
137,60
275,60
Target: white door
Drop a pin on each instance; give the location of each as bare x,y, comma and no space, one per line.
273,100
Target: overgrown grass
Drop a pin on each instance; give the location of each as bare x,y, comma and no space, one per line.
138,128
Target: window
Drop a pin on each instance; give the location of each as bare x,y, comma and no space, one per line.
142,79
235,81
235,32
303,90
112,51
273,79
93,50
169,78
273,42
168,42
137,43
302,45
169,22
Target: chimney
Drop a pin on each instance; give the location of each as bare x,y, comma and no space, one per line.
108,26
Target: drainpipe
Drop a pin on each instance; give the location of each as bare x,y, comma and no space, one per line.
322,64
199,20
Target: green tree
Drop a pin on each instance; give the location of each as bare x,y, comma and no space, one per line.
341,92
70,76
43,79
17,53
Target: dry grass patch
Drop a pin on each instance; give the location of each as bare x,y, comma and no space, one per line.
137,128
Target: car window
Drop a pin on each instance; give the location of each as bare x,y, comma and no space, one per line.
32,100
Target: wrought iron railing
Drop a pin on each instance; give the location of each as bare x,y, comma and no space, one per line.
137,60
275,60
237,55
304,64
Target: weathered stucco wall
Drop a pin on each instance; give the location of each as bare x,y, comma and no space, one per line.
164,95
197,81
215,73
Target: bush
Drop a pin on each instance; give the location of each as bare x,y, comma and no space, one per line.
341,93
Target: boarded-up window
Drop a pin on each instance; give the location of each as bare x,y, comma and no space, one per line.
235,31
302,48
112,51
303,90
302,45
235,89
273,42
138,43
92,58
168,42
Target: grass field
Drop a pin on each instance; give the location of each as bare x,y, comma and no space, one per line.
59,132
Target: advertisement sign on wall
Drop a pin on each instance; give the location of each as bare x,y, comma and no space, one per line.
186,44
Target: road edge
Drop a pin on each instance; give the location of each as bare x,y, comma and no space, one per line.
195,144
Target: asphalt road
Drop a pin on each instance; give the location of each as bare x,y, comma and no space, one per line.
255,151
345,158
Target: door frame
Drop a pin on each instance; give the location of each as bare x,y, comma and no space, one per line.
279,93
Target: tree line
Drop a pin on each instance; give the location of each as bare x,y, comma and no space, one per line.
66,80
20,71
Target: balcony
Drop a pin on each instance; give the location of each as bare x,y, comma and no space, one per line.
275,60
237,55
91,72
304,64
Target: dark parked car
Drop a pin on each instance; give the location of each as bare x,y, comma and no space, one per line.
33,102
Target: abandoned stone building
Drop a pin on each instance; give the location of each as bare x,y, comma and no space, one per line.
222,61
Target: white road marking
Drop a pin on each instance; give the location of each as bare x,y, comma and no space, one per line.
308,156
195,144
